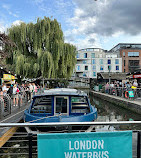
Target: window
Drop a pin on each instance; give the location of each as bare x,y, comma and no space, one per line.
78,55
90,49
94,74
134,63
94,67
93,55
42,103
85,55
84,74
109,67
133,54
93,61
124,54
124,70
109,61
86,67
124,62
83,50
116,61
117,67
77,104
101,61
84,62
61,105
101,67
78,67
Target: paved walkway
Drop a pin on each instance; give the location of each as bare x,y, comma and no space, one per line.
15,116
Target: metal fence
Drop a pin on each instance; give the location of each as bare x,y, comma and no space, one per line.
24,145
124,92
6,103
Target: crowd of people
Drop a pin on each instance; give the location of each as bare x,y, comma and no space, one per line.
19,91
120,88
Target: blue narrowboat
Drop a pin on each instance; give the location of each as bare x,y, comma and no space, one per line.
60,105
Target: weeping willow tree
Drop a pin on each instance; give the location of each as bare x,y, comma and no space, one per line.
41,50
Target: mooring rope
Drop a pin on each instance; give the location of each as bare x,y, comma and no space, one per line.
43,118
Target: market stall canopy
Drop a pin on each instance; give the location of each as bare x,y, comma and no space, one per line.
8,77
114,76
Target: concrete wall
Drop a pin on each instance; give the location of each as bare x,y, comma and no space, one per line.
131,105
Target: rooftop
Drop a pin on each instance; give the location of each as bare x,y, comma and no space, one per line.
126,46
115,76
91,49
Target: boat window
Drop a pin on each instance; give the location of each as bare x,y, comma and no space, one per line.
61,105
42,104
79,105
78,100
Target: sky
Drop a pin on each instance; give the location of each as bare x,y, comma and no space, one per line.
85,23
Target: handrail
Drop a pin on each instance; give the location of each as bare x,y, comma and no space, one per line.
67,124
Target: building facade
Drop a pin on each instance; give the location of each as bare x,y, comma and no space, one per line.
131,56
91,61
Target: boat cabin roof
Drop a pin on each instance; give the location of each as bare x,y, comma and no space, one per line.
62,92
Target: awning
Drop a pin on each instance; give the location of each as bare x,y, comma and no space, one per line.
114,76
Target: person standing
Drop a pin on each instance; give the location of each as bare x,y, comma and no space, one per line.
4,89
21,93
34,89
135,84
27,92
10,90
1,93
107,88
15,95
31,89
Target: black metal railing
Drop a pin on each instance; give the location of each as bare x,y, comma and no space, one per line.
24,145
123,92
7,104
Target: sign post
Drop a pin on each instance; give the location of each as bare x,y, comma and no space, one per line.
85,145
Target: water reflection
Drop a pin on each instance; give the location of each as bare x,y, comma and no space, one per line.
109,112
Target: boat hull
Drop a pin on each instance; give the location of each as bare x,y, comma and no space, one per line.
60,118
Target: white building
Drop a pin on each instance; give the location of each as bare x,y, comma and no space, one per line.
91,61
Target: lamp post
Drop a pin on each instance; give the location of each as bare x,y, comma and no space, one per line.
109,68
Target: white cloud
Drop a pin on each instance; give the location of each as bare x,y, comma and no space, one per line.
111,21
2,28
8,9
17,22
6,6
82,41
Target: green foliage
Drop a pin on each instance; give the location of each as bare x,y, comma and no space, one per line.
41,50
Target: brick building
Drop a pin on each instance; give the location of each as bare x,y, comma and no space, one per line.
131,56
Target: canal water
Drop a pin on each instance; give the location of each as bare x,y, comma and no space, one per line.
110,112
